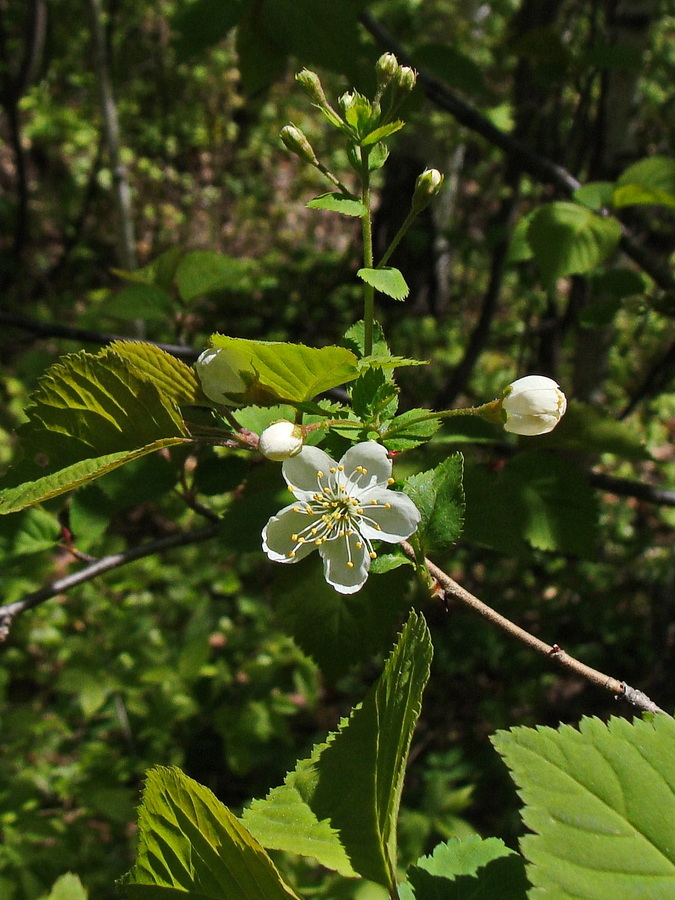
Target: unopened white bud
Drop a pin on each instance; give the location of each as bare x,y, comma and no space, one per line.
533,405
281,440
218,376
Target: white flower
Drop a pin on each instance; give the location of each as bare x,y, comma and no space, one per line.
533,405
218,376
340,509
281,440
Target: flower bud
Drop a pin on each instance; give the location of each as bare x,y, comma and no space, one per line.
385,69
297,143
428,184
310,82
405,79
533,405
281,440
218,376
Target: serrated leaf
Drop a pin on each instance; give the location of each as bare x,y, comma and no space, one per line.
374,395
14,499
387,280
407,431
284,821
501,879
439,496
570,239
190,843
284,372
601,803
355,780
172,376
469,869
355,340
335,202
67,887
102,402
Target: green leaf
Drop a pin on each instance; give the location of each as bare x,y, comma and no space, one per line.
67,887
382,132
469,869
355,340
173,378
14,499
336,630
190,843
588,429
649,181
336,202
138,301
32,532
354,781
569,239
203,271
277,372
601,804
595,195
387,280
405,432
285,821
439,496
501,879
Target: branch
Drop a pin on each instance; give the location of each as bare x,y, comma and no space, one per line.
9,612
624,487
88,336
528,160
619,688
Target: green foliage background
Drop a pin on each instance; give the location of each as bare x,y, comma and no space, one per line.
185,659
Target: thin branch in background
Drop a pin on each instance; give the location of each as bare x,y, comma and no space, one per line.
544,170
126,241
620,689
10,611
86,335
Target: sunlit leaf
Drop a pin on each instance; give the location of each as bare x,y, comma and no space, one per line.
190,844
338,203
387,280
277,372
648,181
203,271
67,887
601,803
439,496
172,376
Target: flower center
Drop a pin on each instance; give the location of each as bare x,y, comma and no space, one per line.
337,513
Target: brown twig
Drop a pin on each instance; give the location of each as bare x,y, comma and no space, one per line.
619,688
10,611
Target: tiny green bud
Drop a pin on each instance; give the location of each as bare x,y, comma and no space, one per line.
312,85
295,140
405,79
428,184
385,69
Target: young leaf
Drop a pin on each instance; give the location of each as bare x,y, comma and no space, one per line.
570,239
405,432
277,372
387,281
382,132
439,496
354,781
601,804
336,202
190,843
469,869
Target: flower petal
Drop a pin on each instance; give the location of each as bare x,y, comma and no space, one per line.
395,524
301,471
531,425
278,541
373,458
337,555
